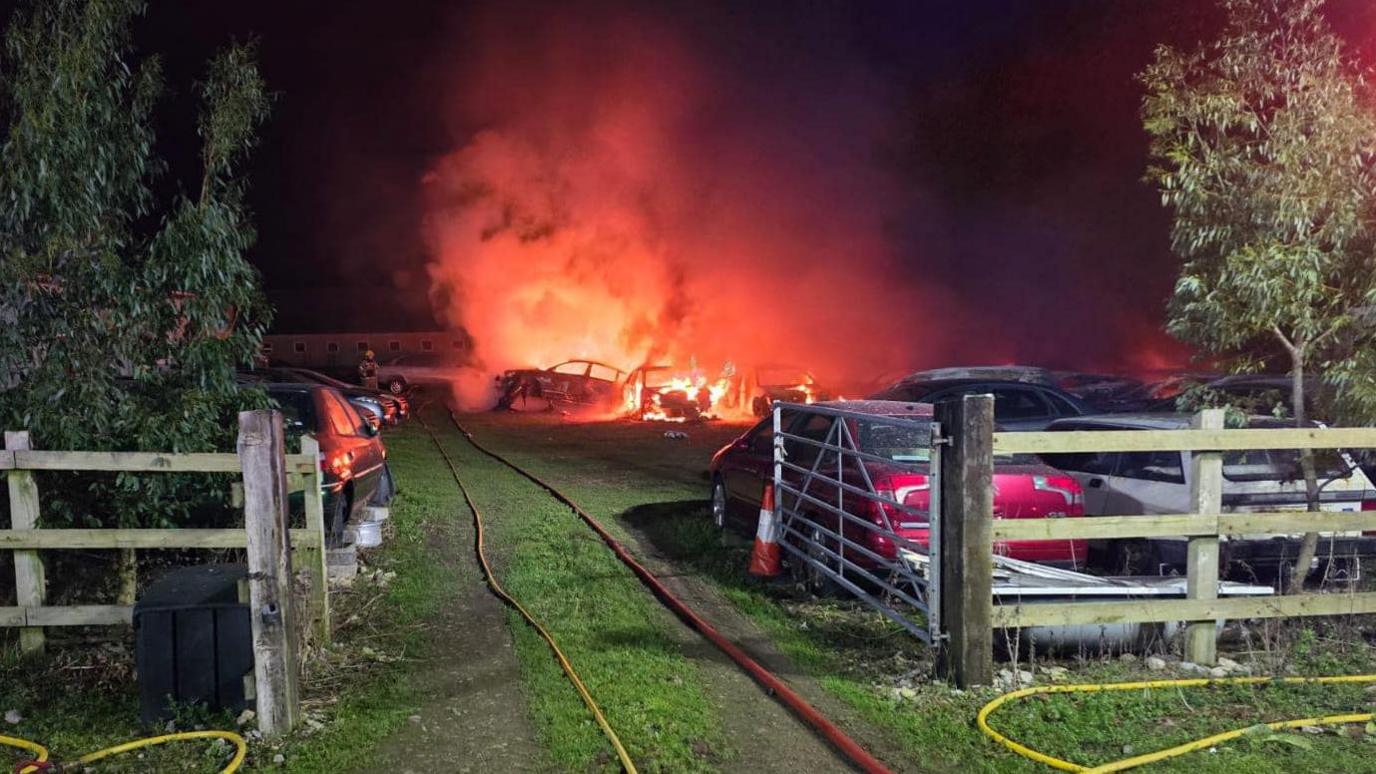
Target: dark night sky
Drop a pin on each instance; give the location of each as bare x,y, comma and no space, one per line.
1014,136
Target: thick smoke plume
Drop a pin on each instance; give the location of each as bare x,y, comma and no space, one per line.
624,192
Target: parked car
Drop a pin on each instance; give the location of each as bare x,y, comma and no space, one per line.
352,458
400,405
384,408
1024,487
1154,395
572,382
404,371
1131,483
1018,405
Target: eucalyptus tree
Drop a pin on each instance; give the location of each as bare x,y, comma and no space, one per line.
1262,147
123,313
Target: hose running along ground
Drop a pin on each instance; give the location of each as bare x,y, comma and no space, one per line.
982,720
772,684
501,593
40,761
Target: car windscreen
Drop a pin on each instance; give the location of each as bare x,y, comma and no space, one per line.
1280,465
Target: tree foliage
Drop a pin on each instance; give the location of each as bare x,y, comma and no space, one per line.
1262,147
124,313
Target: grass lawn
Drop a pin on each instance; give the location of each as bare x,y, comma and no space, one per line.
646,485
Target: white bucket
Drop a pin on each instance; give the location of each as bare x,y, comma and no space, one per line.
378,513
368,534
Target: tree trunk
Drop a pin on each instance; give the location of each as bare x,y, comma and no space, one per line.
1310,543
128,568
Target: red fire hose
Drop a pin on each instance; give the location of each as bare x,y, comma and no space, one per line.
773,685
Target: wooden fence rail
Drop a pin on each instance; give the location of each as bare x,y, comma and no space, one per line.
1201,608
259,457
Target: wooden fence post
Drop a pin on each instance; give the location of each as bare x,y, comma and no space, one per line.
1202,570
261,455
315,523
966,523
30,585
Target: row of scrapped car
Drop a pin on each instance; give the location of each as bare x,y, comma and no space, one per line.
346,421
1066,485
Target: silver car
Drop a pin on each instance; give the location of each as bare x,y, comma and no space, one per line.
1158,482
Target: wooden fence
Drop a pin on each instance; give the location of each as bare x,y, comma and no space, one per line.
268,475
969,424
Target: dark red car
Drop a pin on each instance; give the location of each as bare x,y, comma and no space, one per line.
352,457
1024,487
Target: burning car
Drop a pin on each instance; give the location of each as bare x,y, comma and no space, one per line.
782,383
664,393
572,382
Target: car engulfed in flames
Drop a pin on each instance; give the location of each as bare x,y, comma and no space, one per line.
665,394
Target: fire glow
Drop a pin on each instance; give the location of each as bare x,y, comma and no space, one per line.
636,204
622,190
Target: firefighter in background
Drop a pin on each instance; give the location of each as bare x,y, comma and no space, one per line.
367,371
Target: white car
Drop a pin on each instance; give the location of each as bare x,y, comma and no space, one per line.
399,373
1130,483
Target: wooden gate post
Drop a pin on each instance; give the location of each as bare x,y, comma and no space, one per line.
261,455
967,551
30,585
1202,570
316,557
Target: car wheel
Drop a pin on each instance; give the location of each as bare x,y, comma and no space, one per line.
719,504
817,581
337,519
396,385
1135,557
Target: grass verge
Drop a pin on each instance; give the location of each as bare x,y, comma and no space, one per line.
83,696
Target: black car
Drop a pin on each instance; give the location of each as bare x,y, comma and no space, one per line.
1017,405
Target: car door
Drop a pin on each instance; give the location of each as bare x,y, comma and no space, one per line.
600,385
746,470
1148,482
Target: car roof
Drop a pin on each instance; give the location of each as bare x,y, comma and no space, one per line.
884,408
1156,421
943,383
1002,373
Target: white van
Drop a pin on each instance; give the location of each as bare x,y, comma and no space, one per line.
1130,483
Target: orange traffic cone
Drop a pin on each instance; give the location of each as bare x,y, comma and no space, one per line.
764,557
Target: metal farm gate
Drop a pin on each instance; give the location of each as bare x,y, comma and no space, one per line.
857,498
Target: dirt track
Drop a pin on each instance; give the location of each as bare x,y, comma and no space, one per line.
474,717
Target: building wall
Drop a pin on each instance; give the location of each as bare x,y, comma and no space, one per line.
331,350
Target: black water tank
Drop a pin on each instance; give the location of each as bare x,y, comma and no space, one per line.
194,641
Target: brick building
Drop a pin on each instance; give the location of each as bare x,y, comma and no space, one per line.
336,350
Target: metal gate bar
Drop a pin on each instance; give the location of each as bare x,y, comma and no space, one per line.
817,502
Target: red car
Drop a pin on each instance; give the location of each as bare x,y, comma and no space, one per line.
1024,487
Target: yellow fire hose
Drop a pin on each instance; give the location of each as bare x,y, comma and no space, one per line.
982,720
40,759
